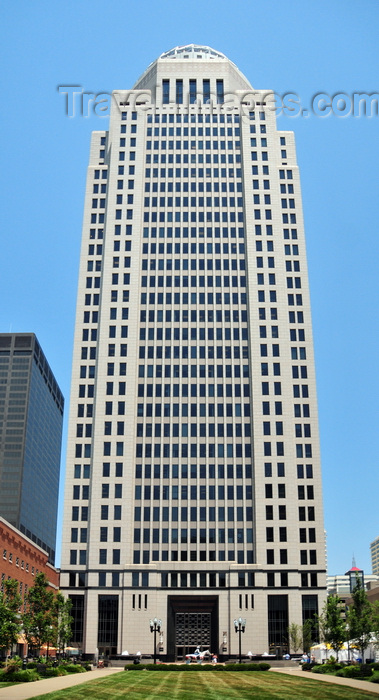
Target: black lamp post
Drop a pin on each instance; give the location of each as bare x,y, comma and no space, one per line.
155,626
239,626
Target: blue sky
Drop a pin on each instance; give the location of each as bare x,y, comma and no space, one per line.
299,47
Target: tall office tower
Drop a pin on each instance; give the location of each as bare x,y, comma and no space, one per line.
374,546
31,416
193,488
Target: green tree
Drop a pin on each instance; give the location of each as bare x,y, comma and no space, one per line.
10,622
359,618
308,631
333,623
63,620
375,621
295,635
39,617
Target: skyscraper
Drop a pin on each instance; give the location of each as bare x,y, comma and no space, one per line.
193,487
31,416
374,547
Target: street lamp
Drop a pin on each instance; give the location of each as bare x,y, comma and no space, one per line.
239,626
155,626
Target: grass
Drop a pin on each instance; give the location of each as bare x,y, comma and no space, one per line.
206,686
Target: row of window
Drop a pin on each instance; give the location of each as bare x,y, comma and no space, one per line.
193,514
192,316
192,216
196,186
192,264
193,95
184,492
8,556
194,471
191,281
194,202
81,513
188,145
196,118
193,131
281,491
193,352
241,557
195,299
185,173
178,173
198,248
185,334
184,430
193,535
183,451
184,370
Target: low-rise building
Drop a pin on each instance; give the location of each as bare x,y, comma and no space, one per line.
22,560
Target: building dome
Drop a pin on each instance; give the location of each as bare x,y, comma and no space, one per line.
193,52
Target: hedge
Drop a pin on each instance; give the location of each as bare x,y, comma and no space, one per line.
196,668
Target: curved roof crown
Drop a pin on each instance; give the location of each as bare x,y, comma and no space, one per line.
192,53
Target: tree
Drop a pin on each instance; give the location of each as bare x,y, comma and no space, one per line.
333,624
307,635
295,634
375,622
10,622
63,620
39,617
359,618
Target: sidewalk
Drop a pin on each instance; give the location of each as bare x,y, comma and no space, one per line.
347,682
23,691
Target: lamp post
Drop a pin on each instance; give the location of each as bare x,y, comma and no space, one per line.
155,626
239,626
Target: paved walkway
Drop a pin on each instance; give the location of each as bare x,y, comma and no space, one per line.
347,682
23,691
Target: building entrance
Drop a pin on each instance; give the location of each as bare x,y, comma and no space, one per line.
192,630
192,621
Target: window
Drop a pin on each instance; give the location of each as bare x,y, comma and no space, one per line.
179,92
206,91
220,91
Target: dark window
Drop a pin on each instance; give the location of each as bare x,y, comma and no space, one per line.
165,92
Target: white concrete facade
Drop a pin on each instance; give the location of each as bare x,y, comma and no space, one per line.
193,480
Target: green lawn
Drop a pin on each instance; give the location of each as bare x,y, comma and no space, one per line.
152,685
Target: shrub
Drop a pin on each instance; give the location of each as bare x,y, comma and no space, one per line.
13,666
55,672
261,666
74,668
374,678
325,668
197,668
307,666
375,666
359,671
25,676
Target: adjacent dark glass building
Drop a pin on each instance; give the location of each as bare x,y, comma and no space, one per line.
31,415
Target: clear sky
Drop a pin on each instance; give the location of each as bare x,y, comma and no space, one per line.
299,47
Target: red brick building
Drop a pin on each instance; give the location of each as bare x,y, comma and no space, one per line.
22,560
